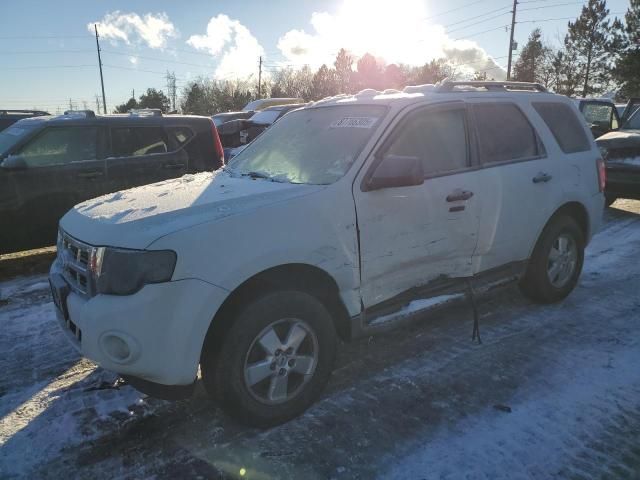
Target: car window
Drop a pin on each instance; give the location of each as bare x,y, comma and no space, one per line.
181,134
634,121
597,114
137,141
14,134
56,146
504,133
437,137
564,125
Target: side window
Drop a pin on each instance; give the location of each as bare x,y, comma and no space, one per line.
598,114
181,135
438,137
56,146
564,125
137,141
504,133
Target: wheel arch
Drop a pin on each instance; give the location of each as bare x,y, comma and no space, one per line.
575,210
297,276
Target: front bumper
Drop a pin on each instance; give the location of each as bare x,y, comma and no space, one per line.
155,334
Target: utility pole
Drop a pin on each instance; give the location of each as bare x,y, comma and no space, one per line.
260,78
70,105
513,26
104,101
171,89
98,104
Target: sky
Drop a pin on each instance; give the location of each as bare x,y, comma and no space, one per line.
48,48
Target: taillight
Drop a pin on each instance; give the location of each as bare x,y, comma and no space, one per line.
217,142
602,174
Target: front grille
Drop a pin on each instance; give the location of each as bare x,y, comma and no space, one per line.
75,257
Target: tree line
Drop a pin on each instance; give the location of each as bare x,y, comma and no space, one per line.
597,55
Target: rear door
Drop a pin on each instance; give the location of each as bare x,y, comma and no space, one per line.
602,117
141,155
64,166
520,181
410,236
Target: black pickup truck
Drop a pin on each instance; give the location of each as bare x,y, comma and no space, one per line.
621,151
48,164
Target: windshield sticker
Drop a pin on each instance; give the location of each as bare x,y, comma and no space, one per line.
15,131
355,122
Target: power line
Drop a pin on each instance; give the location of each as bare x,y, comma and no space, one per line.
28,67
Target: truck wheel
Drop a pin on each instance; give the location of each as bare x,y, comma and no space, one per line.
556,263
274,361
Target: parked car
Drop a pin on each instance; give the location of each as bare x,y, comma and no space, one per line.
236,134
9,117
621,150
601,115
346,218
220,118
48,164
263,103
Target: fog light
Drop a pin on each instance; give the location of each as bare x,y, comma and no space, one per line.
116,348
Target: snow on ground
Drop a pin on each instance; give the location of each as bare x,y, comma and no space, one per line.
420,402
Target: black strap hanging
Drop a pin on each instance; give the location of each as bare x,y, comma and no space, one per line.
476,317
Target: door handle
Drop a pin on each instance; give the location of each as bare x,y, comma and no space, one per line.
173,166
90,174
542,177
459,195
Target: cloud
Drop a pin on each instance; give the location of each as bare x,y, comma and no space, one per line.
133,60
233,44
402,34
151,29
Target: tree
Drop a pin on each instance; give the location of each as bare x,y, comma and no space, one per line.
344,71
627,68
394,77
369,74
589,38
482,77
196,99
324,84
154,99
288,82
433,72
126,107
530,66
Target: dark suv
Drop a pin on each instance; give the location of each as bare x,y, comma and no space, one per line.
49,164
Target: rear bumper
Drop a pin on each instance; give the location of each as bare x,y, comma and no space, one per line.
623,180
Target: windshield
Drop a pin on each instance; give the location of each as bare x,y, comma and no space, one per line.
217,121
266,116
314,146
12,135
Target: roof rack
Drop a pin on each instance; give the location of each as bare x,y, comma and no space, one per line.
151,112
450,86
5,111
77,113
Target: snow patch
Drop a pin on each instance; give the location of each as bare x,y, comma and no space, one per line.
416,306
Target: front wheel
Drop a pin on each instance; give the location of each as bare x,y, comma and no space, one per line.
556,262
275,359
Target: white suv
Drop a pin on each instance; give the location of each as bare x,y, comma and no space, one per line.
343,219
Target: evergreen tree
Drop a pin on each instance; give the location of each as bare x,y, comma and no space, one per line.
590,39
627,69
531,64
323,84
131,104
344,71
153,98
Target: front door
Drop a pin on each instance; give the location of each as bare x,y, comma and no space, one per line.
63,168
410,236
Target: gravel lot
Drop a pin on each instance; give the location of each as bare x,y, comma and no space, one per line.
553,392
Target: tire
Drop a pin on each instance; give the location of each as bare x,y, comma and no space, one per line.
608,200
235,374
546,280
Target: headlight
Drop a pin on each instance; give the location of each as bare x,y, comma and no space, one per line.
124,272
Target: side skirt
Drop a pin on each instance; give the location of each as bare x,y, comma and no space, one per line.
437,295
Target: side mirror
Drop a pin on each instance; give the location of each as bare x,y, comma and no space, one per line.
395,171
14,162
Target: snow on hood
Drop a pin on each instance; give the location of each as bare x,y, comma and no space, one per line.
620,139
135,218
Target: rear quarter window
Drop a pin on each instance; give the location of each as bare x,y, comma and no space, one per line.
564,125
504,133
181,135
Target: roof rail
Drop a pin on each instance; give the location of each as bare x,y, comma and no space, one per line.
151,112
450,86
86,113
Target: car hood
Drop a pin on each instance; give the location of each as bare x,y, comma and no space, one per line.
620,139
135,218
